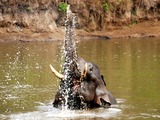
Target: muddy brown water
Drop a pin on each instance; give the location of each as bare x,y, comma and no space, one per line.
131,68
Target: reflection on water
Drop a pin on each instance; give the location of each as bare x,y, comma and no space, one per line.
130,67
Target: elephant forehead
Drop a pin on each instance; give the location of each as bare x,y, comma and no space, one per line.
92,65
94,69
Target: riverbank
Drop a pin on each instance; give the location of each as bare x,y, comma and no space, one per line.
144,29
44,20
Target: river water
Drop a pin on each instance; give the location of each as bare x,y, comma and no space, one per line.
131,68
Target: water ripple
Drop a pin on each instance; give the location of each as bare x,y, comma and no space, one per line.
47,112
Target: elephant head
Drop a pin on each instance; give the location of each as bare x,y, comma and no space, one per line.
93,87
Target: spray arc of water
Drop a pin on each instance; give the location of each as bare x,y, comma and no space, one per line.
70,67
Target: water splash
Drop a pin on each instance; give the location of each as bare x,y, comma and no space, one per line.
45,111
70,67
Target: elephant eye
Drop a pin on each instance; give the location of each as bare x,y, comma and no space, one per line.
91,69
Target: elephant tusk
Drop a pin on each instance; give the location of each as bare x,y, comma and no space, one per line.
85,70
57,74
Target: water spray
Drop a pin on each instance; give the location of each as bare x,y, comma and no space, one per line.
70,67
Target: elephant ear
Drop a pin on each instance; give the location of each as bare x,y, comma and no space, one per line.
103,80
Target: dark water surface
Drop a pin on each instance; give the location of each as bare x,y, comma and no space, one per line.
131,68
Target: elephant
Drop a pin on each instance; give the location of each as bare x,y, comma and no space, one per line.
81,84
91,89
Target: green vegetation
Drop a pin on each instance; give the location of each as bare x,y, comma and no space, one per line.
105,7
133,12
134,21
62,7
